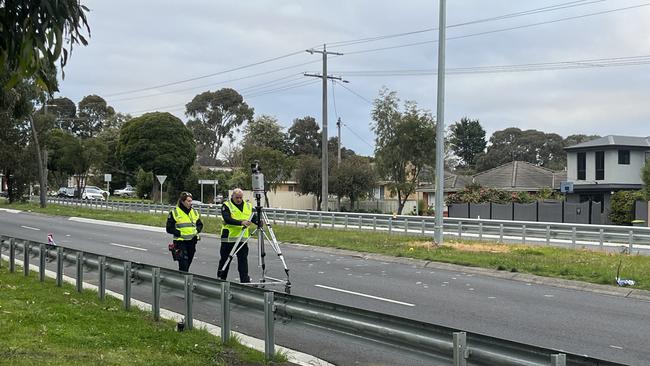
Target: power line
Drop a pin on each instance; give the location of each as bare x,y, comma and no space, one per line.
500,30
560,6
357,94
208,75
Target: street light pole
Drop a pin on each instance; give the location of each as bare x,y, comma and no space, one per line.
440,126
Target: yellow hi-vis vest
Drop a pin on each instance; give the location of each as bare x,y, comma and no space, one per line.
185,223
235,230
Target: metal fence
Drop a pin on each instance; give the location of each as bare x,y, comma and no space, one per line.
528,232
442,343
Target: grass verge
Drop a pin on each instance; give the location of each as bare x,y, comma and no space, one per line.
45,324
581,264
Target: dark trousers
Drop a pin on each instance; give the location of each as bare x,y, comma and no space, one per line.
242,262
187,254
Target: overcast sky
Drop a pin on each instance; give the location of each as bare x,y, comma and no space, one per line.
582,87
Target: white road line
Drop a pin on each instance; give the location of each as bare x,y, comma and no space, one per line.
30,228
127,246
617,347
364,295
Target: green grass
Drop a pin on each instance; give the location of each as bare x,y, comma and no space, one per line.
44,324
583,265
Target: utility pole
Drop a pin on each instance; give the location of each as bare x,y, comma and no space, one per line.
338,126
324,76
440,126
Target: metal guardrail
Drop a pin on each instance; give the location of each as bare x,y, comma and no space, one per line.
441,343
548,233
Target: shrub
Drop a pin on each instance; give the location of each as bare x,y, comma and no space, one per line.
622,212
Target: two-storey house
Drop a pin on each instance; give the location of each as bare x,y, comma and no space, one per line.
600,167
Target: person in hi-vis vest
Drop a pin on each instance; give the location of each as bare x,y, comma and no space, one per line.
237,217
184,222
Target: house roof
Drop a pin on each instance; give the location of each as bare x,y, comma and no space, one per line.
512,176
612,141
519,176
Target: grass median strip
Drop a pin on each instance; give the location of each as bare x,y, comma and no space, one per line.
576,264
45,324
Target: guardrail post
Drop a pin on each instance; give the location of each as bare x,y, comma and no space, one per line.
500,233
127,286
269,341
406,226
225,312
558,359
189,287
548,234
26,258
296,218
346,221
374,223
523,234
333,220
285,217
630,240
308,218
390,225
460,229
573,237
155,285
80,271
59,267
360,222
320,219
423,225
41,262
480,231
102,277
460,349
601,238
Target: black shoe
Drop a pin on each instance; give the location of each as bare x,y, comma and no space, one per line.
222,275
245,280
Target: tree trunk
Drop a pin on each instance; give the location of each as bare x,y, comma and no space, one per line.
41,172
400,203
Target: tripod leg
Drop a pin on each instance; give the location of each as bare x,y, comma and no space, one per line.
238,245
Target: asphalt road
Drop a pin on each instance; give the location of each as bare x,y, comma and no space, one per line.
599,325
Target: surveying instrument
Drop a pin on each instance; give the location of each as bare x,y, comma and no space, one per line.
264,231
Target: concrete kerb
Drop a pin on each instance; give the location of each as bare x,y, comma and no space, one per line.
293,356
514,276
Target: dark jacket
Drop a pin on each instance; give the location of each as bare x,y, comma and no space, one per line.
171,225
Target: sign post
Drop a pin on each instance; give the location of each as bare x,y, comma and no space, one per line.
213,182
107,179
161,179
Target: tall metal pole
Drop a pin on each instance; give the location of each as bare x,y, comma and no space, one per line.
440,126
338,160
324,159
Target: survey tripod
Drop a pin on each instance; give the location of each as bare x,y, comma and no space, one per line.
264,232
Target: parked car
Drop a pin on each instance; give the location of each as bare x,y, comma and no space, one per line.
66,192
127,191
92,194
105,193
3,193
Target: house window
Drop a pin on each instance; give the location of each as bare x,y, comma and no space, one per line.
600,165
291,188
582,166
624,157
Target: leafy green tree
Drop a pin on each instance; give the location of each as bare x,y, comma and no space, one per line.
308,175
215,116
94,113
158,142
332,149
64,111
354,178
645,176
404,143
467,140
35,34
60,158
622,212
144,182
304,137
239,179
578,139
535,147
265,131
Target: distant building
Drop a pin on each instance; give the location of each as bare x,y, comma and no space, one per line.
600,167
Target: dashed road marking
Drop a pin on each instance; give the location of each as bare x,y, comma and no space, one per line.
365,295
30,228
128,246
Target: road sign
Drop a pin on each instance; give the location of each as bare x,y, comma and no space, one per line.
208,181
107,177
161,178
566,187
